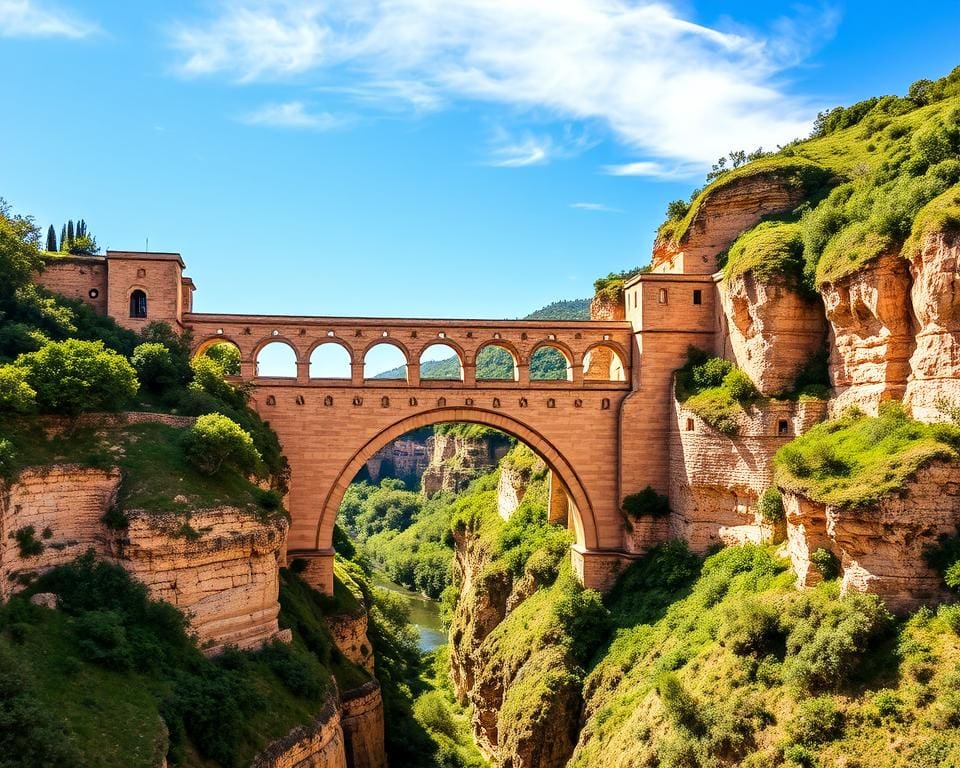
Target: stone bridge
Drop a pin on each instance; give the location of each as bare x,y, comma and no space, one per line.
329,427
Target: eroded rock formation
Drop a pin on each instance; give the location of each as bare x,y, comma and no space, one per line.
716,480
456,460
871,334
770,329
934,381
880,548
222,570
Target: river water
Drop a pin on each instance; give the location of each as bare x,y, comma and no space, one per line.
424,612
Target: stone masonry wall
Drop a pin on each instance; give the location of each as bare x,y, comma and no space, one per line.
716,480
363,726
319,745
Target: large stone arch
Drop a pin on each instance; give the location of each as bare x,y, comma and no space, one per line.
584,525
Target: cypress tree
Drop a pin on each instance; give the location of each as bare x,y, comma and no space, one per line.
81,228
63,237
70,235
51,238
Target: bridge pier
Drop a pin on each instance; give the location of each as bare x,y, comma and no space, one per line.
318,571
598,568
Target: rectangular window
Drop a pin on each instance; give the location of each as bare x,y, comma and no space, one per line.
635,299
697,296
662,296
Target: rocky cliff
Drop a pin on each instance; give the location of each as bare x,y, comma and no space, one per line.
456,459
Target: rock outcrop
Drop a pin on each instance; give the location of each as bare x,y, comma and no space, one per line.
716,480
349,631
934,381
721,217
770,329
405,459
456,460
319,745
871,333
880,548
362,721
221,569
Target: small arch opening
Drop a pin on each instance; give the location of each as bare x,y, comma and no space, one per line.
226,354
385,361
549,363
138,304
330,361
496,363
441,362
277,360
603,364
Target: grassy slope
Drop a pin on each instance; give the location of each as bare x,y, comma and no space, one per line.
856,460
711,665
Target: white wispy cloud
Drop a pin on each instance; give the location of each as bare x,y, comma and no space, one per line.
294,114
667,88
27,18
529,151
598,207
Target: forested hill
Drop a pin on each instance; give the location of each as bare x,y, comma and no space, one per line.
493,365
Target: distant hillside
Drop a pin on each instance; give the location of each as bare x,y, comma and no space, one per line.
567,309
494,364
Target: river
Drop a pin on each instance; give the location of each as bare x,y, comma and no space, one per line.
424,612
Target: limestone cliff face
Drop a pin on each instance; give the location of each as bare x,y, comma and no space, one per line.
935,297
349,632
225,576
716,480
602,308
485,665
456,460
405,459
769,329
871,333
880,548
721,218
223,573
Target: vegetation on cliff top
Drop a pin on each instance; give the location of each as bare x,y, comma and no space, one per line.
715,390
857,460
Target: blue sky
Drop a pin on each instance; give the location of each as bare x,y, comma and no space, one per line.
461,158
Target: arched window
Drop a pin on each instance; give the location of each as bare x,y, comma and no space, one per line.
603,364
330,361
496,363
385,361
278,360
549,363
440,362
138,304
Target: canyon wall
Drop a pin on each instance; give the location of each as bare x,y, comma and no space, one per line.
456,460
221,569
880,548
405,459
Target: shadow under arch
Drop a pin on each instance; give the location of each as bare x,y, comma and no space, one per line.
584,526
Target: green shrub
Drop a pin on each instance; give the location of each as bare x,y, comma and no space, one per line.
585,620
826,563
155,367
815,721
433,713
215,442
73,376
951,615
770,505
226,356
8,458
751,628
739,385
300,672
945,558
646,503
827,638
27,542
681,708
16,395
102,638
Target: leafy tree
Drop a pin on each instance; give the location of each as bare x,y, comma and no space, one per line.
51,239
73,376
15,393
216,441
227,356
155,367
